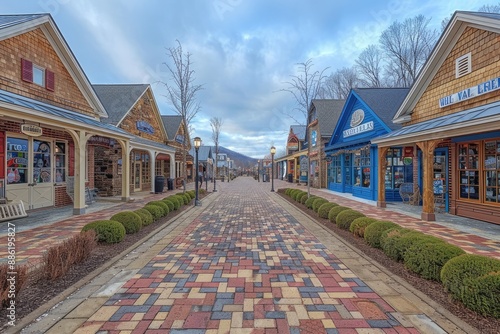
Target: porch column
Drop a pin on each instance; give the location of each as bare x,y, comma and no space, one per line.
152,169
427,148
80,138
126,149
172,166
382,164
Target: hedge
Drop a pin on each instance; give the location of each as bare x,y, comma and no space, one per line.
324,209
317,203
309,202
402,244
299,195
358,225
170,204
155,210
332,215
130,220
346,217
304,198
390,242
162,205
146,216
176,200
375,230
107,231
482,294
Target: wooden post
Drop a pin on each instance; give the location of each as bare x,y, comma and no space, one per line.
427,148
382,165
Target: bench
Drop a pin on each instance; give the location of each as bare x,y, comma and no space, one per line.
410,193
12,210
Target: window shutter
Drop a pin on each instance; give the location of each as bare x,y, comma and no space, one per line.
50,80
71,159
2,156
26,70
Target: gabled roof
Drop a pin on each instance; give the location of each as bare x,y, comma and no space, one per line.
119,99
172,123
384,102
458,23
13,25
299,131
204,152
328,112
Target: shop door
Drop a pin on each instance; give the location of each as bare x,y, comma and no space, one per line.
29,172
137,175
440,169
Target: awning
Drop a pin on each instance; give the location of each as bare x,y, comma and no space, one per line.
476,120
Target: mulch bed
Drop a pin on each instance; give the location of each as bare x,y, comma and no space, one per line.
433,290
39,291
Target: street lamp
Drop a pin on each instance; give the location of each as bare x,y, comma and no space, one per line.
197,144
273,151
258,170
228,170
209,162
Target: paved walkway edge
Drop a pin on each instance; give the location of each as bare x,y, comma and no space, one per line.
45,310
447,322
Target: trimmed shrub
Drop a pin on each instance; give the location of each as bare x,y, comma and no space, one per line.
482,294
407,240
346,217
358,225
181,199
186,198
332,214
324,209
428,258
146,216
170,204
294,192
287,191
162,205
389,242
108,231
298,195
317,203
130,220
176,200
304,198
155,211
458,273
375,230
192,193
309,201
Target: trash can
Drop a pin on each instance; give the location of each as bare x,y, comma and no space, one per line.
170,184
159,184
264,177
290,178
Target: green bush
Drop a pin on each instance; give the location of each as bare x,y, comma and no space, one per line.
482,294
107,231
309,202
176,200
130,220
346,217
375,230
317,203
332,214
389,242
407,240
458,273
162,205
358,225
287,191
181,199
428,258
170,204
146,216
186,198
155,210
297,196
304,198
191,194
325,208
294,192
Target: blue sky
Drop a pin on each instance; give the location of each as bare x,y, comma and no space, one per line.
243,51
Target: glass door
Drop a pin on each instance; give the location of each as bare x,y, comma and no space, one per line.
137,175
440,175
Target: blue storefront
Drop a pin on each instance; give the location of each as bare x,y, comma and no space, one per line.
352,161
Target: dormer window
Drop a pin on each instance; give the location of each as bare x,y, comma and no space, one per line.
463,65
37,75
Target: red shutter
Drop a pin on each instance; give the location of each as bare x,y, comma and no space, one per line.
71,159
26,70
2,155
50,80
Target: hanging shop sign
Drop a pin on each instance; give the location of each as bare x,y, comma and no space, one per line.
408,151
303,163
179,139
144,126
101,141
31,130
468,93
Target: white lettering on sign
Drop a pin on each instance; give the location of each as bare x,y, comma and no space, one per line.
358,129
468,93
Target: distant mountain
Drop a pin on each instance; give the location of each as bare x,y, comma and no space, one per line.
239,159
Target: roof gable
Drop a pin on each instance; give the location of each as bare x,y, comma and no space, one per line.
460,21
14,25
118,100
172,124
327,112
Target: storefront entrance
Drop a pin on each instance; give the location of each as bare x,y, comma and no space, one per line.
30,171
441,180
137,175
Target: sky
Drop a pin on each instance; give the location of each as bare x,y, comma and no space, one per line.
243,52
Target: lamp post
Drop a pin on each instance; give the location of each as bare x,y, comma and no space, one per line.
214,171
209,161
197,144
228,170
273,151
258,170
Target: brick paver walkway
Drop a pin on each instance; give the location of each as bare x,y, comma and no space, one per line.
245,265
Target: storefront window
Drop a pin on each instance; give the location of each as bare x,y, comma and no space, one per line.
335,170
146,168
362,168
397,172
492,171
347,169
42,164
468,159
60,162
17,160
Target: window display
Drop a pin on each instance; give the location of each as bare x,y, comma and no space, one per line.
17,160
492,171
468,170
397,172
362,168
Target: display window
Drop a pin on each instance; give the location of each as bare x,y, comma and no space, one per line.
491,171
17,160
362,168
397,171
468,170
348,169
335,170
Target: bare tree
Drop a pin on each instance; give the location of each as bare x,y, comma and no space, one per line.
216,124
304,87
369,65
490,8
407,46
339,84
182,91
